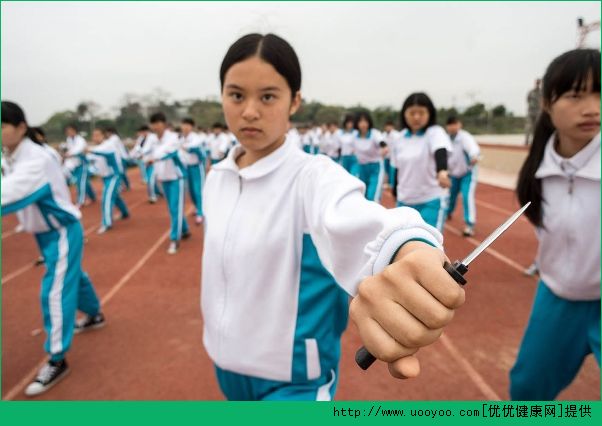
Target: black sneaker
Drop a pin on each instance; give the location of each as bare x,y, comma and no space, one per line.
89,323
47,377
186,235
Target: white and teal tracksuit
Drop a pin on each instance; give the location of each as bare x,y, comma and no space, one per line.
136,155
218,145
463,175
348,159
193,156
107,160
370,162
413,158
564,326
172,174
147,147
34,187
287,241
76,150
389,138
330,145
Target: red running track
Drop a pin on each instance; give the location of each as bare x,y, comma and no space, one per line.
151,347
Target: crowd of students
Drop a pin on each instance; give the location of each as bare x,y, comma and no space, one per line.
304,203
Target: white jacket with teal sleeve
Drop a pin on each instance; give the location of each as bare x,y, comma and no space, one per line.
464,148
279,235
166,154
569,242
34,186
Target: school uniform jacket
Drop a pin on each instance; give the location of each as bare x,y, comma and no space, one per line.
76,149
569,242
35,188
193,152
168,164
413,155
367,150
464,149
279,235
107,158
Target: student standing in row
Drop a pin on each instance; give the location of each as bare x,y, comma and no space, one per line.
330,143
112,135
218,143
76,152
346,137
389,136
148,147
462,165
273,326
367,146
171,173
561,178
420,158
193,157
33,186
107,160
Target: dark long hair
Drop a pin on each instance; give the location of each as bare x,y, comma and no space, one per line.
272,49
569,71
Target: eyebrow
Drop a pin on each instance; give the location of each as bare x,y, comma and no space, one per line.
265,89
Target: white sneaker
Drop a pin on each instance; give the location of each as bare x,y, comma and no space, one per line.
198,220
532,270
102,229
468,231
152,200
19,228
173,248
48,376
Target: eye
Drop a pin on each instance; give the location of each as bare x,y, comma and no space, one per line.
235,96
268,97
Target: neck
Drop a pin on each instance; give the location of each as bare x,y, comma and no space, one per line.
566,146
250,157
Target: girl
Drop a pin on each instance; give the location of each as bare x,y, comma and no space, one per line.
148,147
389,136
367,146
109,166
34,187
112,135
561,178
194,159
76,152
171,173
330,143
463,172
346,137
419,157
288,236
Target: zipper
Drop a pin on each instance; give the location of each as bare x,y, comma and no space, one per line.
221,322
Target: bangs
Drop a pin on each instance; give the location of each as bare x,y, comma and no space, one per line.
573,71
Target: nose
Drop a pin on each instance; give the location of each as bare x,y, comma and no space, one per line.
591,106
250,111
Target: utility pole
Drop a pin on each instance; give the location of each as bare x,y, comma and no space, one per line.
584,29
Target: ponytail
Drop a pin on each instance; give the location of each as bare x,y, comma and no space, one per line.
529,187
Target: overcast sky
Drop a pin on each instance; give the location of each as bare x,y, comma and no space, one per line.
55,55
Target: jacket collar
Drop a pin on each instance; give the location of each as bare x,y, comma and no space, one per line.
584,164
261,167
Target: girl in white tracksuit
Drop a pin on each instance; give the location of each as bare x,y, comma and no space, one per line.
346,136
76,153
561,178
367,146
107,159
33,186
171,172
193,157
462,164
419,159
289,236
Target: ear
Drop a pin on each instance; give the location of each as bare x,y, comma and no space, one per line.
295,104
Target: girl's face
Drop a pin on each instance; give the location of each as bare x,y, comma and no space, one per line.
348,125
12,135
417,117
363,125
257,104
97,137
576,114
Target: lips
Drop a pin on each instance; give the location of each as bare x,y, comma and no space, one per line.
250,130
589,125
